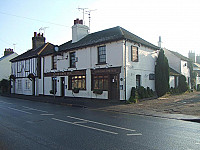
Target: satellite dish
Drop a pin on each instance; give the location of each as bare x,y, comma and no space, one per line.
56,48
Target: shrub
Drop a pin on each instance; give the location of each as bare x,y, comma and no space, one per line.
141,94
198,87
133,90
5,86
98,91
75,90
183,86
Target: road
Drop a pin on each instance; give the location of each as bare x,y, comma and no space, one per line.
29,125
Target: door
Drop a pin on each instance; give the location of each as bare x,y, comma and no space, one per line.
62,86
33,86
114,87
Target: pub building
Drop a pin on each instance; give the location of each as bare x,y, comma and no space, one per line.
100,65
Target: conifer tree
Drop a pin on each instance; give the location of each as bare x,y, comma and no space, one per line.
162,74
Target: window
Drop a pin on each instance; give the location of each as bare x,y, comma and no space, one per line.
100,82
27,65
102,55
54,62
72,60
19,84
138,81
134,53
77,82
54,83
28,84
19,66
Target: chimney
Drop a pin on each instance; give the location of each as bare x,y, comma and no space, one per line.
79,30
191,56
8,51
198,59
159,42
38,40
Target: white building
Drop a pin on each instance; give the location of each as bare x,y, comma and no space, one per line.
26,68
5,64
196,68
113,60
179,65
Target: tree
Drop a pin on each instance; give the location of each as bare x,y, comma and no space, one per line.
4,85
183,86
162,74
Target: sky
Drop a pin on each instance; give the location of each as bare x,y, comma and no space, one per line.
176,21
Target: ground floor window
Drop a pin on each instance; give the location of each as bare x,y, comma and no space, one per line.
77,82
54,83
19,84
100,82
28,84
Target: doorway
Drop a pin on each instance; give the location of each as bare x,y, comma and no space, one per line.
62,86
114,87
33,86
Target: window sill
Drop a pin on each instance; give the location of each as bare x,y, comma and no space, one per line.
101,64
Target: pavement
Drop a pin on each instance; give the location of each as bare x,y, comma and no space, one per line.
181,107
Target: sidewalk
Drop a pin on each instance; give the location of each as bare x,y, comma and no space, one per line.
181,107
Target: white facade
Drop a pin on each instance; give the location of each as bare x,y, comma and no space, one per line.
87,61
5,66
179,65
23,84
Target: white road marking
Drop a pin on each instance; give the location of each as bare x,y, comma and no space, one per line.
5,102
197,143
80,122
46,114
101,124
136,134
35,109
19,110
85,126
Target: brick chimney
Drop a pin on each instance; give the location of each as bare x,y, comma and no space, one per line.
8,51
79,30
38,40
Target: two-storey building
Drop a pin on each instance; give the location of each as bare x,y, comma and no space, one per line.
113,60
26,68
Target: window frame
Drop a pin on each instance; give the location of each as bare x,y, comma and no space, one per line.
27,69
101,54
134,54
19,67
53,62
78,79
72,60
98,79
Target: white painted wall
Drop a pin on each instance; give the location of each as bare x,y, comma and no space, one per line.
144,67
5,66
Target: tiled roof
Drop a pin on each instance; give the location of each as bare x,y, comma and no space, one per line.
34,52
173,72
104,36
180,56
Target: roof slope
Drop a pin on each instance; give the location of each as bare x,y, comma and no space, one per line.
104,36
180,56
33,52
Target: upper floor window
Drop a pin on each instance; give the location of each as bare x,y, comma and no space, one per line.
19,66
134,54
27,65
102,55
54,62
72,60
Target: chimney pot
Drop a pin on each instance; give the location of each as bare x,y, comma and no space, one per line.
35,34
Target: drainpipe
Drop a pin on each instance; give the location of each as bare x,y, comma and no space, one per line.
125,71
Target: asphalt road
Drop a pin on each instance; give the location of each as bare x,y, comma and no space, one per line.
28,125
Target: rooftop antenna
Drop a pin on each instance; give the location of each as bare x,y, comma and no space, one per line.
14,45
43,29
83,9
89,12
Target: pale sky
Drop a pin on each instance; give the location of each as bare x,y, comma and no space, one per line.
176,21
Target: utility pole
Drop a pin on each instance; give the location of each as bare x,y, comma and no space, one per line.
14,46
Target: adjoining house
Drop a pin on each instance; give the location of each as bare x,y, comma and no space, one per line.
5,64
112,60
178,65
26,68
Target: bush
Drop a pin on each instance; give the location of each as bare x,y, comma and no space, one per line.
198,87
183,86
133,90
98,91
141,92
52,92
5,86
75,90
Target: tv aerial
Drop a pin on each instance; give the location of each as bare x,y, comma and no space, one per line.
89,16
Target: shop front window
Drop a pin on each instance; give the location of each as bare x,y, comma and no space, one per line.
77,82
100,82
